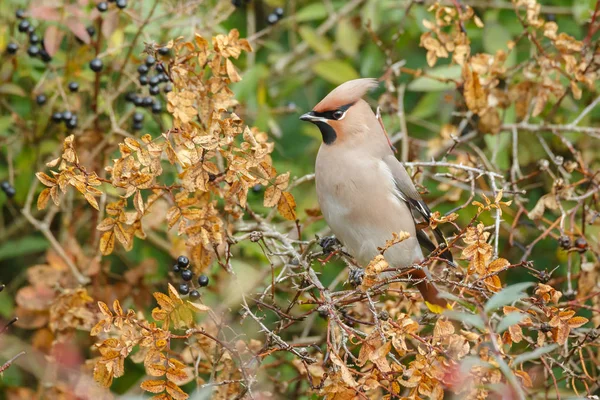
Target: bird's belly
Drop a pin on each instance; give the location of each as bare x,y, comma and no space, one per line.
363,217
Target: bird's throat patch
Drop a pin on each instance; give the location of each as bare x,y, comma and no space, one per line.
327,132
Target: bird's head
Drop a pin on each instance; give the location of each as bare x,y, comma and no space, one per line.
343,111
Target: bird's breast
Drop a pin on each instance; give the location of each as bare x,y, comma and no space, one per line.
358,201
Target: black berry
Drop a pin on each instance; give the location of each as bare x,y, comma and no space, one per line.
73,86
163,51
8,189
168,87
143,79
102,6
183,261
184,288
41,99
91,31
160,67
31,29
33,50
34,39
12,48
272,19
237,3
121,4
163,77
155,80
138,101
203,280
137,126
279,12
150,61
96,65
176,268
138,117
24,26
143,69
67,115
57,117
20,13
156,107
45,56
147,102
187,274
130,97
194,295
257,188
72,123
154,90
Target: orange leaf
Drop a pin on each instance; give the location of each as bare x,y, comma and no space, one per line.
153,386
287,206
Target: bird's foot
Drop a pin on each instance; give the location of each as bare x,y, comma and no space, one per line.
329,244
355,276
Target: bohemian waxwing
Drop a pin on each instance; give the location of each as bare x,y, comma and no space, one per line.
364,192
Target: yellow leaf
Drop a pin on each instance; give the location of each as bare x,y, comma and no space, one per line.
45,179
107,242
272,196
474,93
287,206
576,322
92,200
153,386
43,198
176,392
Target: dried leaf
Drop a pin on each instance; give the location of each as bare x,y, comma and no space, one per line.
287,206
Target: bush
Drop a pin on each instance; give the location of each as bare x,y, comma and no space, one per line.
159,207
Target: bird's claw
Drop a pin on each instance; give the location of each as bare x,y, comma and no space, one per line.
329,244
355,276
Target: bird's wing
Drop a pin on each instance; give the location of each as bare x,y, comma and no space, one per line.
409,194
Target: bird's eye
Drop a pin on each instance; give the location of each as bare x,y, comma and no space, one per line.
338,114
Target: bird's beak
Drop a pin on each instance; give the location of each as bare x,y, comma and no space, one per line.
311,117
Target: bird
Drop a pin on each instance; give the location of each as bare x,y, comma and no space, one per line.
364,192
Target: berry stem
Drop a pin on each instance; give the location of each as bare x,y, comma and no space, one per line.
134,41
97,78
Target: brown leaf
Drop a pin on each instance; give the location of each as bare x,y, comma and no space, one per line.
474,93
76,26
176,392
576,322
272,196
92,200
52,39
44,13
107,242
153,386
346,375
43,198
287,206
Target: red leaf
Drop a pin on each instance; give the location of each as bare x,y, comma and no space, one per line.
52,38
78,29
110,23
44,13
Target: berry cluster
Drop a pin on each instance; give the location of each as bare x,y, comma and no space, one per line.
68,117
275,16
182,268
103,5
36,45
153,82
8,189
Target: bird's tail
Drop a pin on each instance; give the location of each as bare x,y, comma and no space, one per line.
430,293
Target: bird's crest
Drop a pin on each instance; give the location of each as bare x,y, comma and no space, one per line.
347,93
